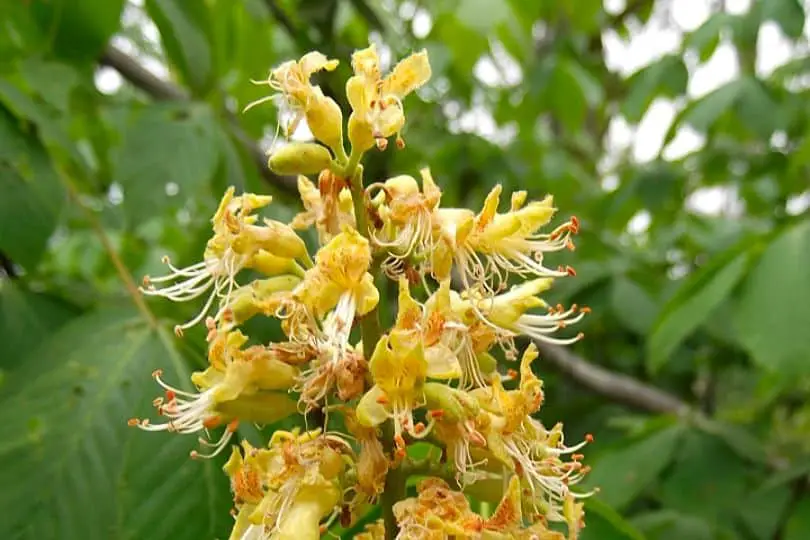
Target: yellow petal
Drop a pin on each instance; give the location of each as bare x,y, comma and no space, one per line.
366,61
315,61
370,412
442,362
366,295
408,75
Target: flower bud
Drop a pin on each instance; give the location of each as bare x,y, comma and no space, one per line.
261,408
299,158
273,265
325,121
444,398
360,134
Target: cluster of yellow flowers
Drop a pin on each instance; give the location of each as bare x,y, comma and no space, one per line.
429,378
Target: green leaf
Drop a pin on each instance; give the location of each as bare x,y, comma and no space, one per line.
53,81
701,114
694,303
571,91
775,305
166,143
788,14
758,109
604,523
74,469
666,77
632,305
707,480
565,96
187,33
32,196
738,439
27,319
623,474
670,525
79,29
706,37
798,524
761,511
483,15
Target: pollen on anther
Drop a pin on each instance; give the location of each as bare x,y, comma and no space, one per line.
438,413
589,437
132,422
419,427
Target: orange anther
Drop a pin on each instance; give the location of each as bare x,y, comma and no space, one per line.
577,457
512,373
589,437
585,309
574,224
147,281
132,422
382,400
170,395
419,427
178,331
211,422
194,454
570,271
233,425
437,414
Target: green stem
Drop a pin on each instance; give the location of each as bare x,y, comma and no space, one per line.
370,323
395,484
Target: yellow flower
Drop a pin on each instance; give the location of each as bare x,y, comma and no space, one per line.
437,512
489,246
237,243
406,222
299,477
507,313
526,447
377,111
291,81
328,206
238,385
507,520
372,465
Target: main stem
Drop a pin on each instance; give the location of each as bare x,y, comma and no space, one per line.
371,332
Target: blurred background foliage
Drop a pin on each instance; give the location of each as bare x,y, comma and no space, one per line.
120,127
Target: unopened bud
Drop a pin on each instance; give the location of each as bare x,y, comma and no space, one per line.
360,134
299,158
442,397
325,121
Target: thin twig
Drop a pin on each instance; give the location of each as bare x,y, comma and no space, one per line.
109,249
615,386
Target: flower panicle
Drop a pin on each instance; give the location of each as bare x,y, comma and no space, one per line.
468,284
